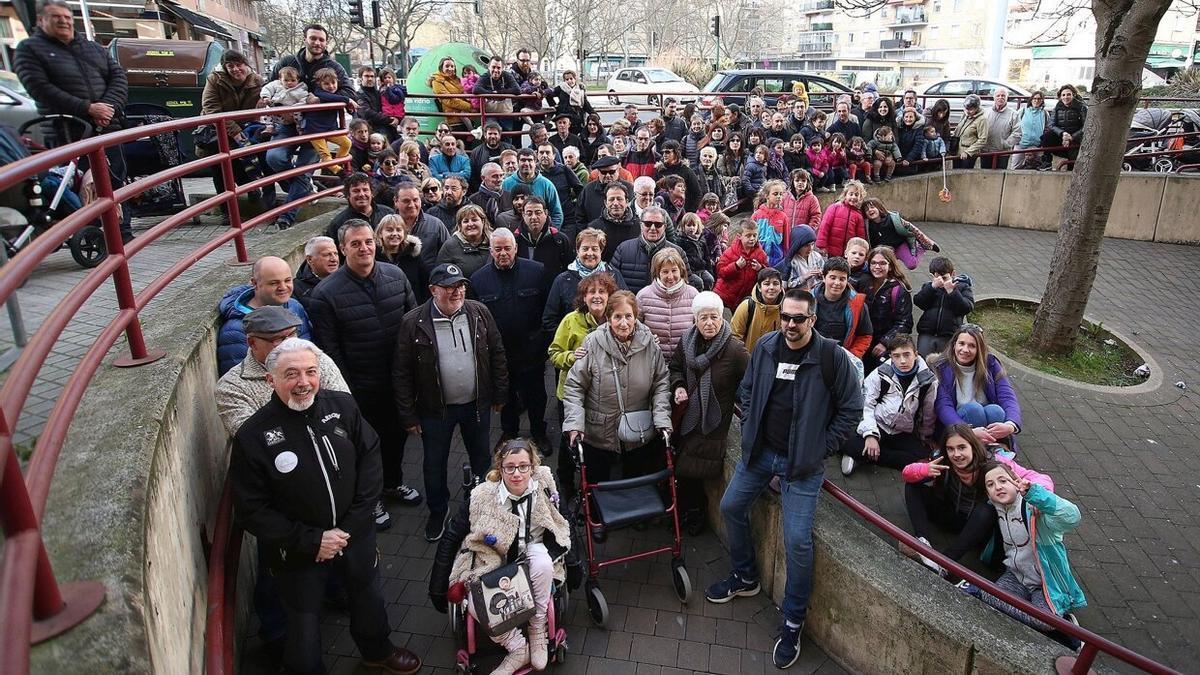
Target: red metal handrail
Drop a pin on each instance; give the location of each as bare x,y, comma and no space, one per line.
33,604
1075,665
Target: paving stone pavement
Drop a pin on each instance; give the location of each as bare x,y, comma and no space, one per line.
1126,461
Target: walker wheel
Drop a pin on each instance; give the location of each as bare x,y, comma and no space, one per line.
597,605
455,617
560,652
462,669
682,582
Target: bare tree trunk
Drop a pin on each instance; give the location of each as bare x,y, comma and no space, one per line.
1124,32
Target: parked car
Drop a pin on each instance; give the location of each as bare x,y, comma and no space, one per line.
733,86
955,90
16,108
632,85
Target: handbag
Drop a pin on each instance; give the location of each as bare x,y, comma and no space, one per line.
503,598
635,428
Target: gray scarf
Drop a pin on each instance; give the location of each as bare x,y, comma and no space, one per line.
703,407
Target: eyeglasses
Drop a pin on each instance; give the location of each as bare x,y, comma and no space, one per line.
785,319
276,339
879,263
653,224
972,327
510,469
443,130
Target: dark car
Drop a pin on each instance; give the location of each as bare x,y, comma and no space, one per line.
733,86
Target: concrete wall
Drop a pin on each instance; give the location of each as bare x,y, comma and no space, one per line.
876,611
135,494
1147,206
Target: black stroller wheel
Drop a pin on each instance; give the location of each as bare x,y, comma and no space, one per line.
681,581
597,605
88,247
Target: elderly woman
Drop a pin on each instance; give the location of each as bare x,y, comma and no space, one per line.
621,373
235,86
468,246
667,302
705,372
589,246
513,513
395,245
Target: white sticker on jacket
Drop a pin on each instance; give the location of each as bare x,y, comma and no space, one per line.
786,371
286,461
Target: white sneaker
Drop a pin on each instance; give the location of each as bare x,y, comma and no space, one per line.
847,465
929,563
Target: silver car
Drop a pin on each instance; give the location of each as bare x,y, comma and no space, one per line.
955,90
16,108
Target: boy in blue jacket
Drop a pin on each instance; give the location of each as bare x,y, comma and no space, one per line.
327,120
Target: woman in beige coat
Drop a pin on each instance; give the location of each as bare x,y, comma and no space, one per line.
622,350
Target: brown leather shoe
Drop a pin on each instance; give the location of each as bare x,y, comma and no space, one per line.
400,661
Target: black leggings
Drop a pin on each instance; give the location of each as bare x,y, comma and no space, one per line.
926,504
896,451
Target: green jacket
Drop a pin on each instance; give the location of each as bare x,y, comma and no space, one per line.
1049,519
574,327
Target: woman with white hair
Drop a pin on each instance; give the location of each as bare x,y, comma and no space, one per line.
706,368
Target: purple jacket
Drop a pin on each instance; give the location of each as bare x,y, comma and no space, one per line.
998,390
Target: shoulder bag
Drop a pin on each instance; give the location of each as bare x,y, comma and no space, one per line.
503,598
635,428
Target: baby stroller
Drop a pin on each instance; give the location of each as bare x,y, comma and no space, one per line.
149,155
623,502
1150,123
43,200
473,642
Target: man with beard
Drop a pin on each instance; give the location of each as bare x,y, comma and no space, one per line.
488,197
360,204
536,240
593,198
310,59
356,313
565,182
617,221
370,105
674,126
489,150
523,66
498,80
454,193
305,471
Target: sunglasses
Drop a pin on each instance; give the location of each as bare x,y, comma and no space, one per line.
653,224
607,172
390,163
785,319
432,189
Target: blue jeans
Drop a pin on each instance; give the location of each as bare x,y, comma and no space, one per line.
978,415
436,435
799,499
280,159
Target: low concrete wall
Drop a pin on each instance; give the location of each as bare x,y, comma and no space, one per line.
138,481
1147,206
874,610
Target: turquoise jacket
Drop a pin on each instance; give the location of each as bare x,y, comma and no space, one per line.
1051,518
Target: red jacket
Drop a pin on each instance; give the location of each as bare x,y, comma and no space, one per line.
840,224
803,211
734,283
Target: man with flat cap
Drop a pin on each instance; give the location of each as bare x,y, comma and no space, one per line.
592,200
449,371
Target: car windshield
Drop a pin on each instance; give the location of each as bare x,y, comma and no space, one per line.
714,82
13,83
660,75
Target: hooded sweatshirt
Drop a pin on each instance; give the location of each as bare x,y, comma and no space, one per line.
754,318
793,268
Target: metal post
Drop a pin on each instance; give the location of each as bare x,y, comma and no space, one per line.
87,20
98,162
17,517
20,337
231,204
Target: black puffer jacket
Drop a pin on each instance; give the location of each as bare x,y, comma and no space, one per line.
632,259
1069,119
616,232
944,312
691,200
891,310
516,298
591,202
303,284
67,78
355,320
370,108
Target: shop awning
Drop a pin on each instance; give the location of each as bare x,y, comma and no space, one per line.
198,21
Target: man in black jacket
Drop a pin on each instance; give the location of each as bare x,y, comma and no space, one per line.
67,74
498,80
431,231
489,197
305,473
565,182
487,152
593,198
370,104
360,204
673,165
321,258
356,312
537,240
512,289
313,57
449,371
617,221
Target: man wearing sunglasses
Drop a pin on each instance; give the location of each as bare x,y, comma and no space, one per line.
800,398
632,258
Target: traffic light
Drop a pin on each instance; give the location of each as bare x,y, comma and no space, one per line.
356,12
375,18
714,25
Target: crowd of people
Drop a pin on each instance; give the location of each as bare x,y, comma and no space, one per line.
458,273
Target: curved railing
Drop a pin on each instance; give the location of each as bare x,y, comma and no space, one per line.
34,606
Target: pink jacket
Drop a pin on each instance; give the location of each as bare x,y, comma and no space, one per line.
919,471
836,159
840,224
667,315
803,211
818,161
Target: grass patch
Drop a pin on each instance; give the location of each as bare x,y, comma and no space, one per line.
1098,358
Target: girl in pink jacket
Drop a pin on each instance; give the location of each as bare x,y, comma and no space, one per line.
800,205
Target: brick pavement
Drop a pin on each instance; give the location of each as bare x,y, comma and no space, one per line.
1127,462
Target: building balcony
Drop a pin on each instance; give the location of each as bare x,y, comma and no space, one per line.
909,16
816,6
809,48
892,45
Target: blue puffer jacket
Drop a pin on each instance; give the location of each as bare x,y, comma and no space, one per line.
231,340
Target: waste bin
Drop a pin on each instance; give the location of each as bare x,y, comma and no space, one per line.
168,73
